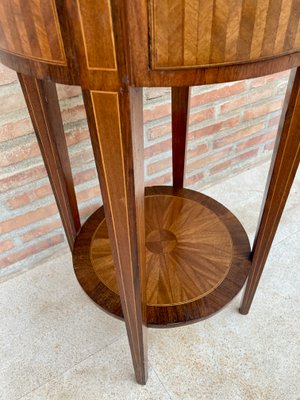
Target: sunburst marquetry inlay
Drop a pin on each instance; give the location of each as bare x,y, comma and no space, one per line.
188,251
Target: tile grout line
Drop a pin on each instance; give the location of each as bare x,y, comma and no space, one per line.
286,238
162,384
71,367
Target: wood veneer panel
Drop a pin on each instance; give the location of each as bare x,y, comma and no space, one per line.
31,29
97,30
189,33
115,121
197,257
42,102
180,117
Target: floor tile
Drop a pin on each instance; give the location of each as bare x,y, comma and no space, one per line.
47,325
56,344
105,375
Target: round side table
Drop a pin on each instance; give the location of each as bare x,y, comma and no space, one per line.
163,256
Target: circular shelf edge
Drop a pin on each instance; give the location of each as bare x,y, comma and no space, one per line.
197,258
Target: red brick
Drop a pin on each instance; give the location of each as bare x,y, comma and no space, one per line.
230,139
200,149
228,163
157,148
159,111
200,116
7,75
65,91
73,114
218,93
215,156
155,93
29,196
22,178
245,100
159,131
6,245
274,121
89,193
41,230
159,165
248,154
18,154
88,210
221,166
29,251
215,128
160,180
12,102
263,109
269,78
82,157
193,179
77,136
85,176
256,141
28,218
42,191
269,146
14,129
19,200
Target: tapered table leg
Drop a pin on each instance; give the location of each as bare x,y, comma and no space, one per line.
283,168
180,117
42,102
116,126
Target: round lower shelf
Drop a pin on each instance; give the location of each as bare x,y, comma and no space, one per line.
197,257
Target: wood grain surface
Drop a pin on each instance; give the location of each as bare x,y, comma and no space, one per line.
197,257
97,31
31,29
180,125
115,121
204,32
79,41
43,106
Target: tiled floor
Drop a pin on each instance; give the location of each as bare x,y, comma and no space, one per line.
56,344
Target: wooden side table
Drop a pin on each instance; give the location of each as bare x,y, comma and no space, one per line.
174,256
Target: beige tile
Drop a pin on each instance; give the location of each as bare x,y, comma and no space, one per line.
231,356
239,188
47,325
243,196
56,344
105,375
281,274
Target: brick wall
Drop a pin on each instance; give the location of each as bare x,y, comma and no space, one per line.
232,127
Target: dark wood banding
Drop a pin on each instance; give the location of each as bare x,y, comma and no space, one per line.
180,124
43,106
197,258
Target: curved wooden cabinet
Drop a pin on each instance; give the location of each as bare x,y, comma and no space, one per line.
190,256
31,29
93,43
197,33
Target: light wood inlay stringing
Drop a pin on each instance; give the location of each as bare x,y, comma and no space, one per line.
97,31
189,33
188,251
